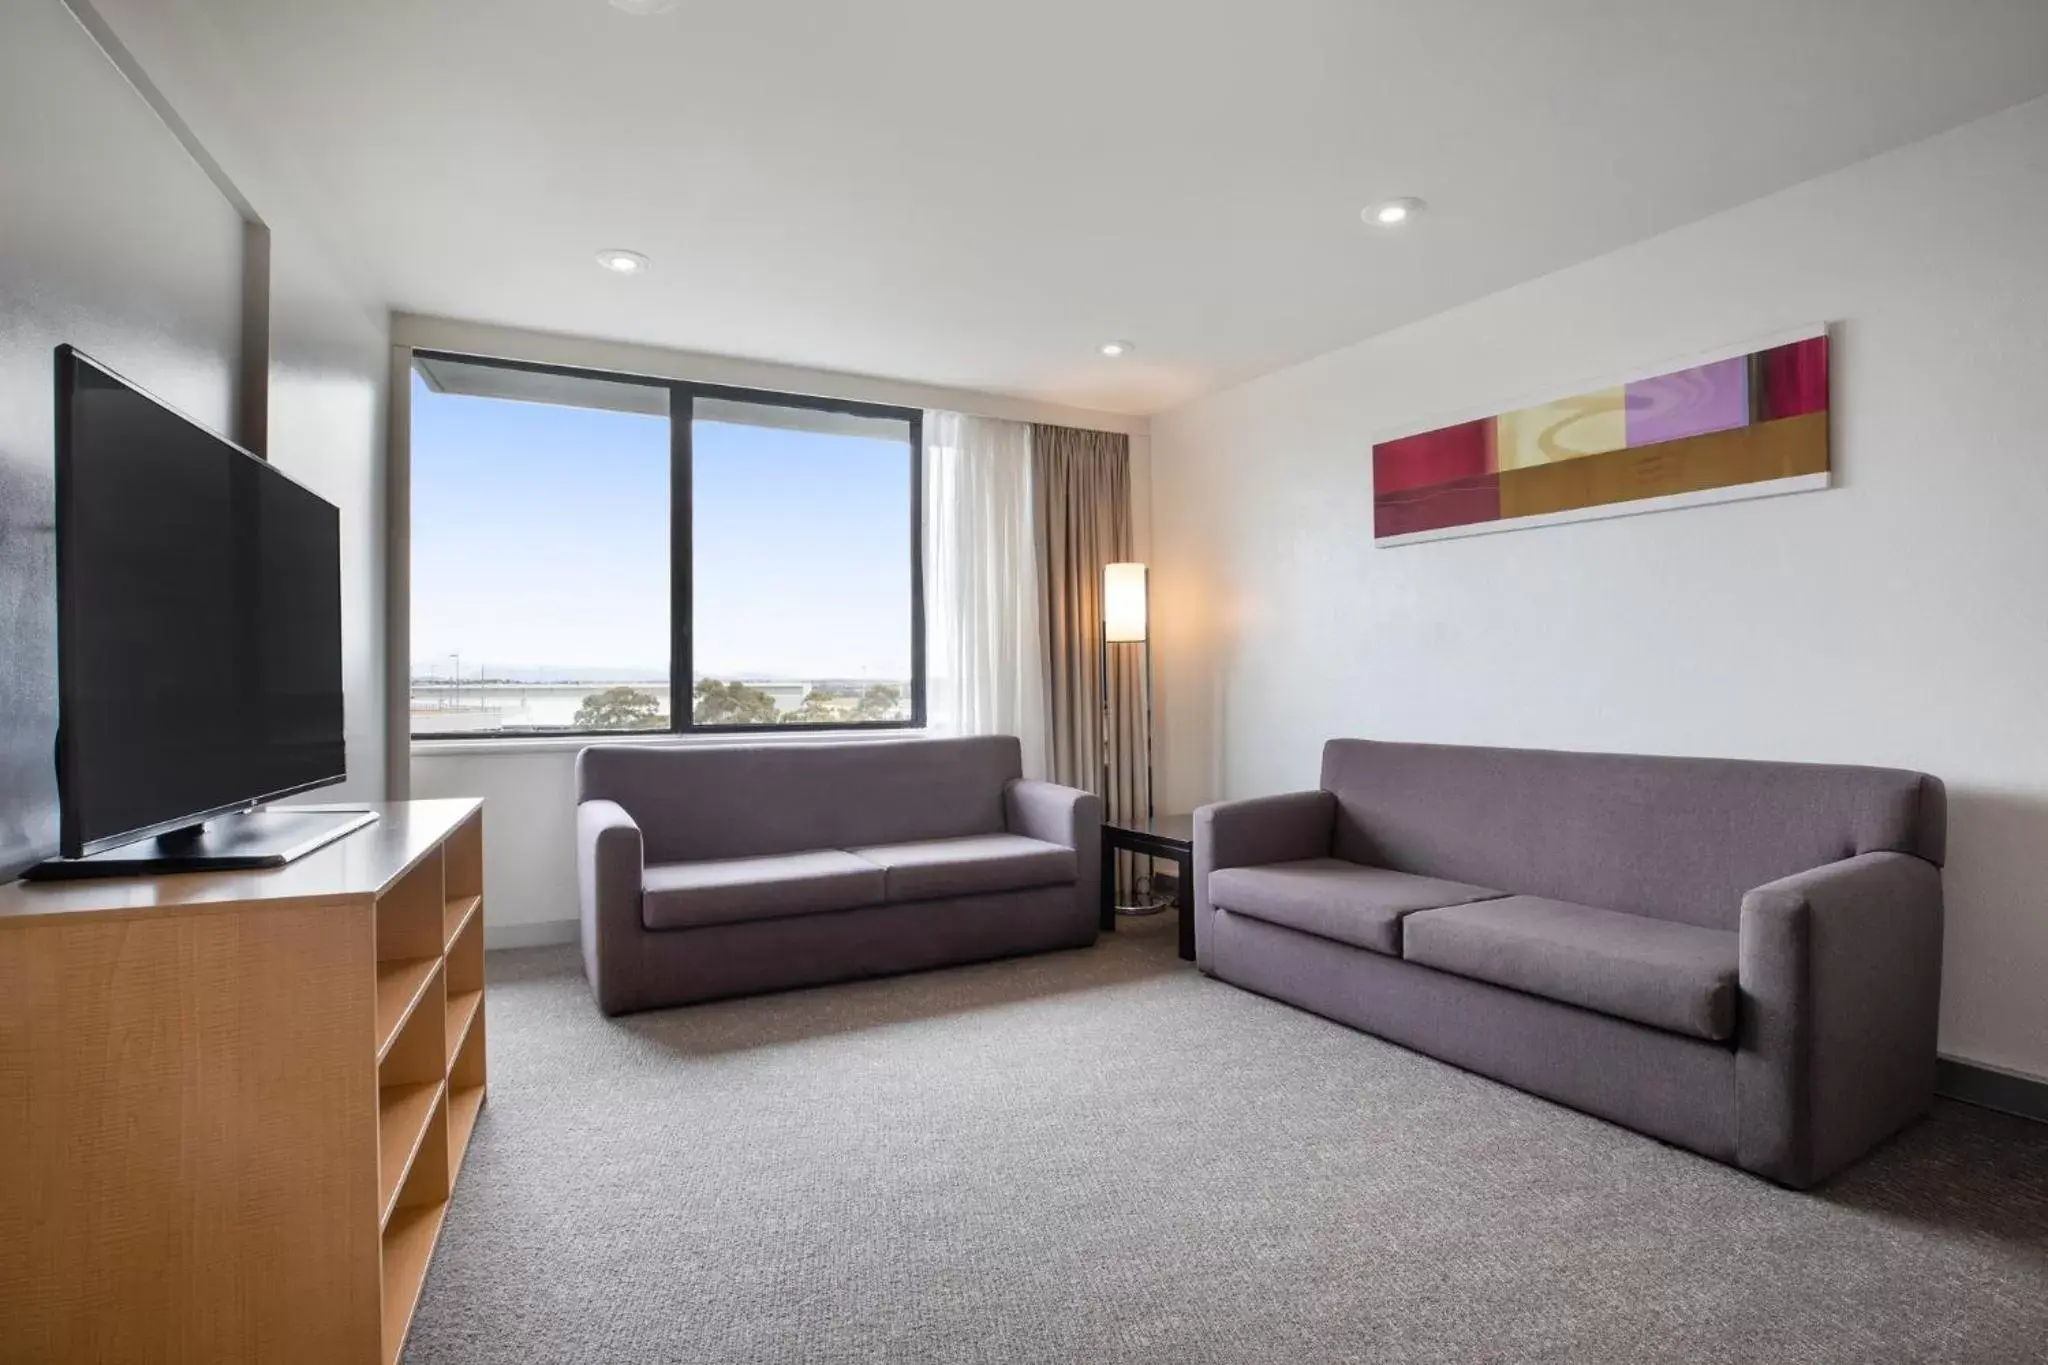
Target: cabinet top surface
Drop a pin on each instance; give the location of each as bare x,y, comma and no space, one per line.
362,864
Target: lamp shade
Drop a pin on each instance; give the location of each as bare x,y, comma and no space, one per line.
1123,603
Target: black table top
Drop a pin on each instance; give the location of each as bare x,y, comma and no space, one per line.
1169,829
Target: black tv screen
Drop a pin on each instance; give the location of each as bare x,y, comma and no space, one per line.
199,620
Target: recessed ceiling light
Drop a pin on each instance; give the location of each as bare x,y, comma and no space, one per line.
621,262
1392,212
645,6
1114,349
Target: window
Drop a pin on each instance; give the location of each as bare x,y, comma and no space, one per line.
582,542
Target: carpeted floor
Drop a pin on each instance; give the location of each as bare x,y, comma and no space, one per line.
1101,1156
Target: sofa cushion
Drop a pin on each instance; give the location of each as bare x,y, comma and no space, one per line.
1335,899
726,890
1671,976
932,868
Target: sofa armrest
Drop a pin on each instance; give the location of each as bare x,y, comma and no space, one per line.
610,859
1264,829
1840,973
1067,816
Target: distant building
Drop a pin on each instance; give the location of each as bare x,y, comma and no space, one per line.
441,706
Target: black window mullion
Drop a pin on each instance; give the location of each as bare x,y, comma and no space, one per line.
917,711
682,665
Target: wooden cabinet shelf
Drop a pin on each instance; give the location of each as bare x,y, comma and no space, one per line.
455,917
244,1098
400,988
403,1113
462,1011
408,1248
464,1104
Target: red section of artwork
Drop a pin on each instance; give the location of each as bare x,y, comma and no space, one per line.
1441,456
1794,379
1460,502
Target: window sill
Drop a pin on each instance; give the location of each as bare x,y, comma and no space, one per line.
569,744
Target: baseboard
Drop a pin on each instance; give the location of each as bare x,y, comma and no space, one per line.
1992,1087
540,935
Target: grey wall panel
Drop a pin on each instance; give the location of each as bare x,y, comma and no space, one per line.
329,371
112,239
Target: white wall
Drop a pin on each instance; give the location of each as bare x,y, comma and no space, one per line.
529,835
1897,619
529,786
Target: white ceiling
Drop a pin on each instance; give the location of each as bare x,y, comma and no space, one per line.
977,194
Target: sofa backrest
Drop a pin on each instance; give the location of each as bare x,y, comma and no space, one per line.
1678,838
739,800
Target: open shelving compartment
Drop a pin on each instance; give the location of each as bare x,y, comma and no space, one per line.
462,921
430,1058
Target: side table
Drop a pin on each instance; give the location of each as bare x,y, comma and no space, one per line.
1161,836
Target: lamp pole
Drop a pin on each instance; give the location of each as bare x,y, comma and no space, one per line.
1126,620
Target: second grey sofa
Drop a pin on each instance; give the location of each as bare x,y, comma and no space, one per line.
1740,958
727,870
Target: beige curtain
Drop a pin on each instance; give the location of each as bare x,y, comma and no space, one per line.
1081,503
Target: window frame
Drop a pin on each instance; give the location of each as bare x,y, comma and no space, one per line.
682,396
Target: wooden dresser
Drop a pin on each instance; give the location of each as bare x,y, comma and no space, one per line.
233,1105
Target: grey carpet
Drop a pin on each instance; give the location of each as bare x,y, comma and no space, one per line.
1101,1156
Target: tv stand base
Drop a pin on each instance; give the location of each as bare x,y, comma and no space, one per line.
231,843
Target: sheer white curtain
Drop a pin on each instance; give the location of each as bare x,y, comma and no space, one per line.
984,642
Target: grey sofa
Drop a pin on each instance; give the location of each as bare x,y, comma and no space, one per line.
718,871
1740,958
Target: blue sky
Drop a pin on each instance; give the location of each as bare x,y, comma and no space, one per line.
540,538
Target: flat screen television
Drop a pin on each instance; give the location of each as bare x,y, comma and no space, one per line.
198,636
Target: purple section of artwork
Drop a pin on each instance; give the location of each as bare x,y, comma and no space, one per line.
1689,402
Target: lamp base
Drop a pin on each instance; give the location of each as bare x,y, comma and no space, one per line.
1149,901
1152,907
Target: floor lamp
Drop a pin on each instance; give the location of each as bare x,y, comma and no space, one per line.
1126,621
